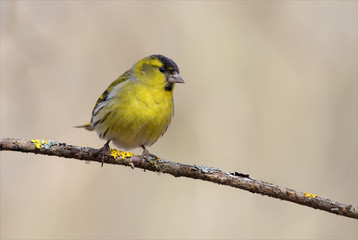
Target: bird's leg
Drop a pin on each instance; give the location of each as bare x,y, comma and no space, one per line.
105,150
145,154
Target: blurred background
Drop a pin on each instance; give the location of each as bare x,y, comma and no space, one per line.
270,90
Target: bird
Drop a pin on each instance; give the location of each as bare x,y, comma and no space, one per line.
136,108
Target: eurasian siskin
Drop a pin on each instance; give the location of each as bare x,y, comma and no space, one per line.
136,108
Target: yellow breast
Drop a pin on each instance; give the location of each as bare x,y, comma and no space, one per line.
137,115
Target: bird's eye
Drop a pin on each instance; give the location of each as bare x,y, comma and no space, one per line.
162,69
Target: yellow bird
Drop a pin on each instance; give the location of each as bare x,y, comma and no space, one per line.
136,109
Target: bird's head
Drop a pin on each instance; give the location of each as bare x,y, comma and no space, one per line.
158,71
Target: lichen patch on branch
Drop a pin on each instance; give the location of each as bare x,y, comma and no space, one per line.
117,153
308,195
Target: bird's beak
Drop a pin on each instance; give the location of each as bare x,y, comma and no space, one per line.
175,78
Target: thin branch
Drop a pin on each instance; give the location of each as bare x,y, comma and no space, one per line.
215,175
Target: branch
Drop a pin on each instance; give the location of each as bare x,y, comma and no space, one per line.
215,175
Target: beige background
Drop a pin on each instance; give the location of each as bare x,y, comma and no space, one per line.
271,90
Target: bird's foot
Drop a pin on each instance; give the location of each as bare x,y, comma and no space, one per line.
105,151
147,157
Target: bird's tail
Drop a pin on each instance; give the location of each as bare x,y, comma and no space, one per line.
87,126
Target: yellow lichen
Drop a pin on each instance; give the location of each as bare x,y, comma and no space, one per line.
153,162
307,195
39,142
117,153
